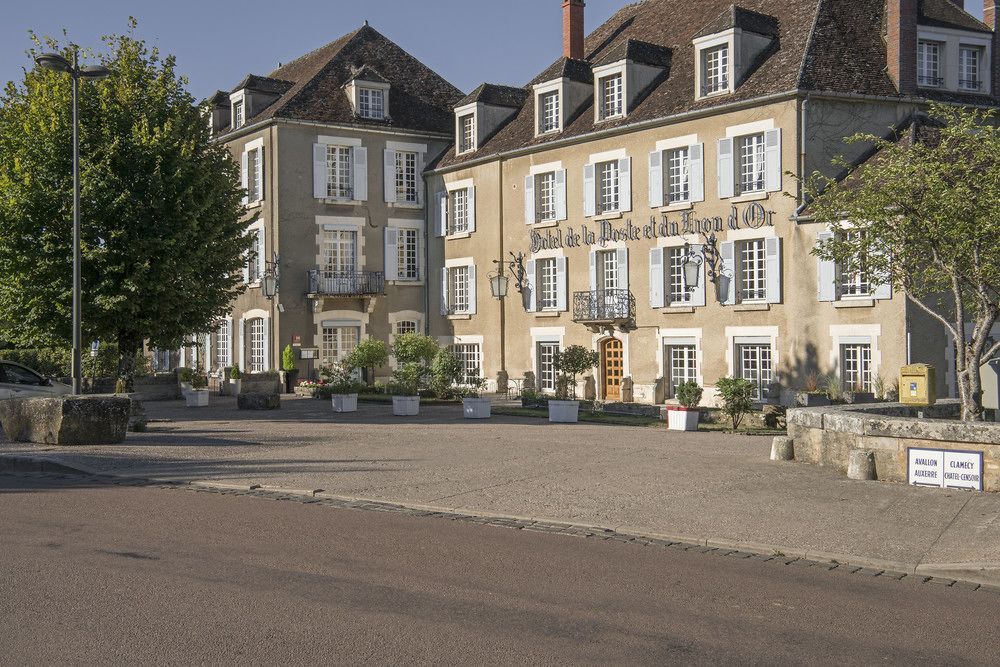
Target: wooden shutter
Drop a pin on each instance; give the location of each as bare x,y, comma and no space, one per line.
320,175
471,204
698,295
389,173
726,173
622,268
727,279
656,278
625,184
531,281
444,290
472,289
562,285
529,200
245,176
656,179
772,160
696,172
826,272
391,253
360,156
441,217
772,250
561,213
589,191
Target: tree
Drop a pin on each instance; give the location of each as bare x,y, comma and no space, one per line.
162,236
370,354
924,216
737,398
572,361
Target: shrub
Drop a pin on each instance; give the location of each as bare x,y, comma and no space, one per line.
446,372
689,394
570,362
834,389
199,381
370,354
185,375
415,348
408,379
288,359
737,398
235,373
342,379
473,387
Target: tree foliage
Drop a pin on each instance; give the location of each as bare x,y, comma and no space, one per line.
162,236
925,217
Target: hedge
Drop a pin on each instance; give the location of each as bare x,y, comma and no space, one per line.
56,362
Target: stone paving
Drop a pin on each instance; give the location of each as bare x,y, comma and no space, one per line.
697,488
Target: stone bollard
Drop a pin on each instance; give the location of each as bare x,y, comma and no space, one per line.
137,415
861,465
782,449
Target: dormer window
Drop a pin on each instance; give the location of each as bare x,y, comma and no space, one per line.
969,60
548,112
715,70
731,49
929,63
371,103
467,133
239,114
612,95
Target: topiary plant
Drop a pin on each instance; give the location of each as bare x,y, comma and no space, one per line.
288,359
235,373
689,394
570,362
737,398
370,354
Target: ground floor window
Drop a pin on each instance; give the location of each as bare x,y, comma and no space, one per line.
856,367
222,345
681,367
470,356
755,365
546,366
337,343
405,327
258,334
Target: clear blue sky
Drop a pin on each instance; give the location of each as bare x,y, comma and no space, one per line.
218,43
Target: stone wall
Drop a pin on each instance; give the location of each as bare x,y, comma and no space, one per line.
827,435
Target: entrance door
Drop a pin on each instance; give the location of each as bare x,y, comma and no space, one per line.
612,368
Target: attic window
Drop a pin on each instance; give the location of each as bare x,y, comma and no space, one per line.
548,112
371,103
715,70
238,114
612,96
467,133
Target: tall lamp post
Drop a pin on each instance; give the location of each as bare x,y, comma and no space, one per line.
58,63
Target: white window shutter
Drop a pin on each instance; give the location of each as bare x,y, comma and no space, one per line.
882,289
261,256
625,184
772,160
320,175
267,344
826,272
726,173
529,200
472,289
243,345
622,268
593,270
727,286
531,282
656,278
561,213
698,295
245,176
562,285
589,191
772,250
360,156
656,179
441,217
391,253
472,209
444,290
246,267
389,171
696,172
420,178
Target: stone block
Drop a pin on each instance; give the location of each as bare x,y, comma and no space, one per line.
782,449
843,422
66,420
861,465
807,417
258,401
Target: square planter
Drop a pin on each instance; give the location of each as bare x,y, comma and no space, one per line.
856,397
197,398
806,399
345,402
564,412
682,419
405,406
235,387
476,408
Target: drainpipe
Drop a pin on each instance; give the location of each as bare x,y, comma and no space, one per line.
802,139
503,305
429,211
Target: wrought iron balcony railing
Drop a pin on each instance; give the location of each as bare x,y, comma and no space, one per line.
930,80
346,283
966,84
603,306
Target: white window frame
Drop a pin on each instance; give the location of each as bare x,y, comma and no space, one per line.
951,41
716,77
406,176
755,166
224,343
374,108
609,191
471,354
549,111
458,212
602,76
676,289
965,83
466,135
548,283
254,266
546,197
337,174
257,345
751,267
238,104
677,172
687,353
730,39
930,63
408,269
545,351
338,339
459,294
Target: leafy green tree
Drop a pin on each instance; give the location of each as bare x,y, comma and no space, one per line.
415,348
369,354
162,235
924,215
737,398
573,361
447,371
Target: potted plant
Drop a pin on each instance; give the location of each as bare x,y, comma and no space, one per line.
737,398
289,368
474,406
185,377
447,372
197,397
569,363
370,354
812,396
235,381
414,354
684,417
343,386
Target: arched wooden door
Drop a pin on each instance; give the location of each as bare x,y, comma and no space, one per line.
612,368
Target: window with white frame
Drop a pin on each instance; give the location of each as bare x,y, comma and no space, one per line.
546,355
339,166
608,187
929,63
681,367
548,284
545,196
678,175
715,70
458,289
371,103
677,289
969,60
753,270
854,276
408,254
404,327
254,255
467,133
222,345
406,177
337,343
548,112
856,367
611,102
754,362
751,168
471,364
458,212
238,114
607,270
254,176
258,339
339,252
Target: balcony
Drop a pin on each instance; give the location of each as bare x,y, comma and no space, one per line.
346,283
613,307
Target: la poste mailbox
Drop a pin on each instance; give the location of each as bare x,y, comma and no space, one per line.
917,385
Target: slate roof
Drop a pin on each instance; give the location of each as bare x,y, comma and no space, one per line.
636,51
820,45
263,84
497,95
312,86
568,68
220,99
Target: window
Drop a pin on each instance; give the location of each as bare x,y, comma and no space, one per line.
681,367
469,354
755,365
408,259
406,177
337,343
548,284
969,59
222,345
254,256
405,327
20,375
546,354
467,133
238,115
751,172
854,277
609,188
258,335
255,176
612,98
458,218
339,253
678,172
715,70
458,289
545,189
856,367
929,63
607,267
339,179
548,112
677,291
371,103
753,270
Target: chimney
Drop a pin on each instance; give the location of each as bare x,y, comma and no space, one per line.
991,17
573,29
901,43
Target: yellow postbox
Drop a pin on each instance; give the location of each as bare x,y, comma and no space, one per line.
917,385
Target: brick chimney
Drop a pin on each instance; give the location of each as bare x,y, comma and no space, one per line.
991,17
901,43
573,29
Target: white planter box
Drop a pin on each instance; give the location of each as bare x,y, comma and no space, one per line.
476,408
564,412
405,406
197,398
235,387
682,420
345,402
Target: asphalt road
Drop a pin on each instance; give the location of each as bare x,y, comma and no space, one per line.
94,573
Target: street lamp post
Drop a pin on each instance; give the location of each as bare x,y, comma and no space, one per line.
58,63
